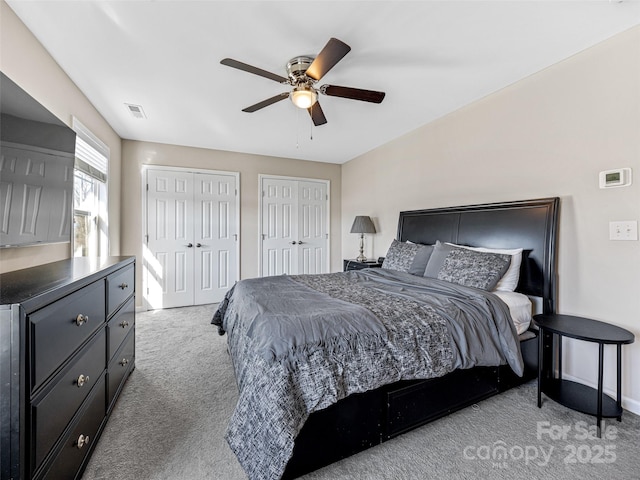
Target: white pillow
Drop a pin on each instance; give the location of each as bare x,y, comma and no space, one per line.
520,308
509,280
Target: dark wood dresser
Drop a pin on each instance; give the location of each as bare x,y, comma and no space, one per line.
67,345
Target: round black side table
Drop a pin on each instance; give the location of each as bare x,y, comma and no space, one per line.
572,394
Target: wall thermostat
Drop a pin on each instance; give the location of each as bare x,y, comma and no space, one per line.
620,177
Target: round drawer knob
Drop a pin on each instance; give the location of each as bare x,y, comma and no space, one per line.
81,319
82,441
124,324
123,286
123,362
82,379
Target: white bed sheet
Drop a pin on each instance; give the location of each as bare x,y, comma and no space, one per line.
520,308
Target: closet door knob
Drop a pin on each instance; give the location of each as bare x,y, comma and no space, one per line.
189,245
293,243
198,245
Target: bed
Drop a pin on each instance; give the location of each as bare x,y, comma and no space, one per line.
329,365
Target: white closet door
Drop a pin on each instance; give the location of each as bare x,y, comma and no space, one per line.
171,242
312,227
192,226
215,236
294,226
279,227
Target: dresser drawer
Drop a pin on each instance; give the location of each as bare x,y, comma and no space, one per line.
52,413
120,286
120,325
57,330
75,448
120,365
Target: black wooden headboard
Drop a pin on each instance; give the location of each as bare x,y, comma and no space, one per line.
528,224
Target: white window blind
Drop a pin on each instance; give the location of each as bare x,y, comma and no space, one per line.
92,155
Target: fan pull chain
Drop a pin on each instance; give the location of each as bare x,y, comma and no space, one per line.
297,128
311,124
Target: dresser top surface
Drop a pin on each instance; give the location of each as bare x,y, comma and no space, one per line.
32,286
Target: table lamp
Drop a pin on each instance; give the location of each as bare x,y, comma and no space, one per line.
362,224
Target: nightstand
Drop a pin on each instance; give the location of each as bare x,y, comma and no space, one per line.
356,265
576,395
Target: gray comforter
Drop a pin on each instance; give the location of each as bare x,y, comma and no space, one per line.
301,343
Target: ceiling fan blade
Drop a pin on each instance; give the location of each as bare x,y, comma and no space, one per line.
229,62
317,115
266,103
353,93
331,54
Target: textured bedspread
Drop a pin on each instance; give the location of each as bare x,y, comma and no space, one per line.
301,343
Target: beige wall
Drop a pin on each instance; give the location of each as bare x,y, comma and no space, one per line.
136,154
27,63
548,135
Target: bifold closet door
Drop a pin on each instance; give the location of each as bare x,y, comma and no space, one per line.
312,227
192,235
294,227
215,237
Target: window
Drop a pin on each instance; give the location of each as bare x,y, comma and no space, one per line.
90,222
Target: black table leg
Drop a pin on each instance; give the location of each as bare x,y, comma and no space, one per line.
619,379
540,356
600,369
559,338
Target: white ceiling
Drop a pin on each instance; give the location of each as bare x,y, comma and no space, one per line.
430,57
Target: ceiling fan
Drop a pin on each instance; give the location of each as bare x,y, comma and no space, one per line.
303,73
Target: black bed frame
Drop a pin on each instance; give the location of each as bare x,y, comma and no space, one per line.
363,420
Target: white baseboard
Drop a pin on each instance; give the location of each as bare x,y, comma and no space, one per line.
629,404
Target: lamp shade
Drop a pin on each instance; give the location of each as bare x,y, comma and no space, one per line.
304,97
363,224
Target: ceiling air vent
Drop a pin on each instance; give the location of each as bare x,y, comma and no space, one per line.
136,110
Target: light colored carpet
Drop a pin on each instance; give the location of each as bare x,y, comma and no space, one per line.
170,420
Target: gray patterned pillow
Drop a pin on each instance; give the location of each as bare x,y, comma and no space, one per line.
400,256
474,269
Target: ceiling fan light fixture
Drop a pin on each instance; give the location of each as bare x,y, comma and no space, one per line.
304,96
303,72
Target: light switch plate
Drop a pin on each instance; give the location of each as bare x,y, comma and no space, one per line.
625,230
